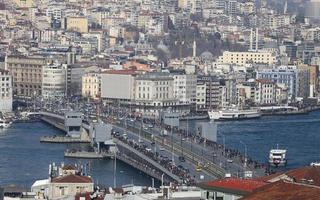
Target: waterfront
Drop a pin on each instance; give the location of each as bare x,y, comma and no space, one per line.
23,159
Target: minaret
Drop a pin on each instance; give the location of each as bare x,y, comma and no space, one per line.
285,9
251,39
194,52
257,39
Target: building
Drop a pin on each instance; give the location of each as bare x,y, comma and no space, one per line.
265,92
184,87
242,58
54,80
287,75
201,96
63,183
26,73
75,72
154,93
79,24
312,9
213,92
112,90
5,91
302,183
91,85
24,3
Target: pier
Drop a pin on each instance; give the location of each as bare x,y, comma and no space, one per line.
62,139
87,155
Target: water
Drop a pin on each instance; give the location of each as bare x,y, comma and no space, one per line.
23,159
299,134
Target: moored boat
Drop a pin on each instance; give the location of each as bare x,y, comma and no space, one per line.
5,123
234,114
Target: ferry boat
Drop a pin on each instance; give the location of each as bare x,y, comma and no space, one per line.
4,123
277,157
233,114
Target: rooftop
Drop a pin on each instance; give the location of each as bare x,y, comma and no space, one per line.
283,190
72,179
233,185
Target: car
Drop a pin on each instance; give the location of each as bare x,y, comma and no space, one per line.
198,168
153,143
230,161
161,149
182,159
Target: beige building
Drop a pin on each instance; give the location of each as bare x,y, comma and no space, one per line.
24,3
91,85
79,24
26,73
242,58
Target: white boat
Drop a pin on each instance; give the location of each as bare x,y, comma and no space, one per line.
315,164
5,123
233,114
277,157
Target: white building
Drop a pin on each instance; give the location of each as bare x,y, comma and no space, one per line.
184,87
265,92
5,91
54,80
118,85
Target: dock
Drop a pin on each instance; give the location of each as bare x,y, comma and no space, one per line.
62,139
86,155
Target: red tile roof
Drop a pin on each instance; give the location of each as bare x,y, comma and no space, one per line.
69,167
300,175
282,190
305,174
72,179
233,185
125,72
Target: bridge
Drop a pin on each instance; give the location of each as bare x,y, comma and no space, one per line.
127,153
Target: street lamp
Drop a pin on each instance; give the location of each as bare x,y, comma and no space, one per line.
245,153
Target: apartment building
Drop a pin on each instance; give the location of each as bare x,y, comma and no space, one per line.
5,91
79,24
26,74
91,85
242,58
184,87
154,93
213,92
265,92
54,80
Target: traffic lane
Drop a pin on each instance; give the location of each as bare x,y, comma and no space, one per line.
165,153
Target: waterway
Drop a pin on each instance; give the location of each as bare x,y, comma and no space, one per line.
299,134
23,159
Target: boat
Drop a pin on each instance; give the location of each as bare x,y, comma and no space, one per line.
4,123
234,114
277,157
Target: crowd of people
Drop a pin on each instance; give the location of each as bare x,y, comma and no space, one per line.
163,160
